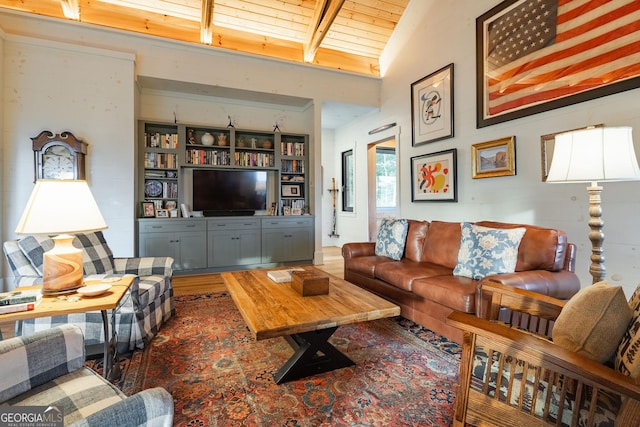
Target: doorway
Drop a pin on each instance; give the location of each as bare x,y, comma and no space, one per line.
382,183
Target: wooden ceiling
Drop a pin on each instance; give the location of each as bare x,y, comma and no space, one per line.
340,34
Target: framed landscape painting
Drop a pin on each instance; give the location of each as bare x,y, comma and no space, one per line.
536,56
432,107
494,158
433,177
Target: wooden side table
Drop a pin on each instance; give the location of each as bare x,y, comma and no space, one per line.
52,305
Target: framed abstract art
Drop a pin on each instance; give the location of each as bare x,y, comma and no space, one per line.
432,107
433,177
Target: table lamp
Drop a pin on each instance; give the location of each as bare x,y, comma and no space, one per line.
61,207
592,155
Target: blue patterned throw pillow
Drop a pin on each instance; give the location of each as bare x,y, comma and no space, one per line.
485,251
392,237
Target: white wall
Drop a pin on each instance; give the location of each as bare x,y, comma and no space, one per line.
435,34
87,91
62,75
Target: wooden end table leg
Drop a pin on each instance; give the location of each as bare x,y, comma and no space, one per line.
313,355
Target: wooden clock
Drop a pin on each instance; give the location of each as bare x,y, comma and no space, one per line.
59,156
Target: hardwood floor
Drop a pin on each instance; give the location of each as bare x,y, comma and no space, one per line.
208,283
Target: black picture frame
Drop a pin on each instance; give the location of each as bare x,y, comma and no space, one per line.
432,107
434,177
516,95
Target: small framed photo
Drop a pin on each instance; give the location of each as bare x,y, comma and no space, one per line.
547,143
296,211
148,209
173,213
432,107
286,210
494,158
162,213
291,190
433,177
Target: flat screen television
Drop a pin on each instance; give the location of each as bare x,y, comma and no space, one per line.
228,192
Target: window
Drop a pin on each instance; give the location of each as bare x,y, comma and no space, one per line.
347,181
385,178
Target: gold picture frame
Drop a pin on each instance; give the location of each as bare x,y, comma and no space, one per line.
494,158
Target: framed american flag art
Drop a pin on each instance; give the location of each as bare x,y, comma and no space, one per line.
537,55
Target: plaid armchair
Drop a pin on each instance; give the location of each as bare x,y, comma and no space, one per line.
142,311
47,369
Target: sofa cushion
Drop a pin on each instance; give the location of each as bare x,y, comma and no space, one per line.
485,251
442,243
416,236
540,248
392,237
593,321
627,360
97,258
456,292
366,265
401,274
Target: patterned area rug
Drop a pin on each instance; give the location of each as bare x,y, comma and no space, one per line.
219,375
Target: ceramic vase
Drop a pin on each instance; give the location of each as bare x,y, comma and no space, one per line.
207,139
222,140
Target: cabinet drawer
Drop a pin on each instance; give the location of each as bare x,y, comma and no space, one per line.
233,224
287,222
167,225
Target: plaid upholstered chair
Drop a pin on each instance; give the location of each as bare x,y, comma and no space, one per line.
46,369
146,306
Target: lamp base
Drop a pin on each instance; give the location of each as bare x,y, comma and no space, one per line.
63,266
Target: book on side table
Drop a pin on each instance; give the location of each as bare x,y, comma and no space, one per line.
19,301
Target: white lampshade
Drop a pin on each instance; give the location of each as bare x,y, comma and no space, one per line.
60,207
595,154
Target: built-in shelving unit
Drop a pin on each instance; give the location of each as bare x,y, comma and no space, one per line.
160,179
168,149
293,176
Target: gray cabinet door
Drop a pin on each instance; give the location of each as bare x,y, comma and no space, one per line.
156,245
284,245
234,247
192,250
274,248
300,244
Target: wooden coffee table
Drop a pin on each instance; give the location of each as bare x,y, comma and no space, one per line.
276,310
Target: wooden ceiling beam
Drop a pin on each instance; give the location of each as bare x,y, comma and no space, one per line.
206,22
323,16
71,9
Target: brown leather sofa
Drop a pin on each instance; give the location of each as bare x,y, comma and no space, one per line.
422,282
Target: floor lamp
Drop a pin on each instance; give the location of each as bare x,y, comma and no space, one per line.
592,155
60,208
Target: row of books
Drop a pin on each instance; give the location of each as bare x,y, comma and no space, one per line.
160,140
13,302
261,160
207,157
292,148
160,161
292,166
